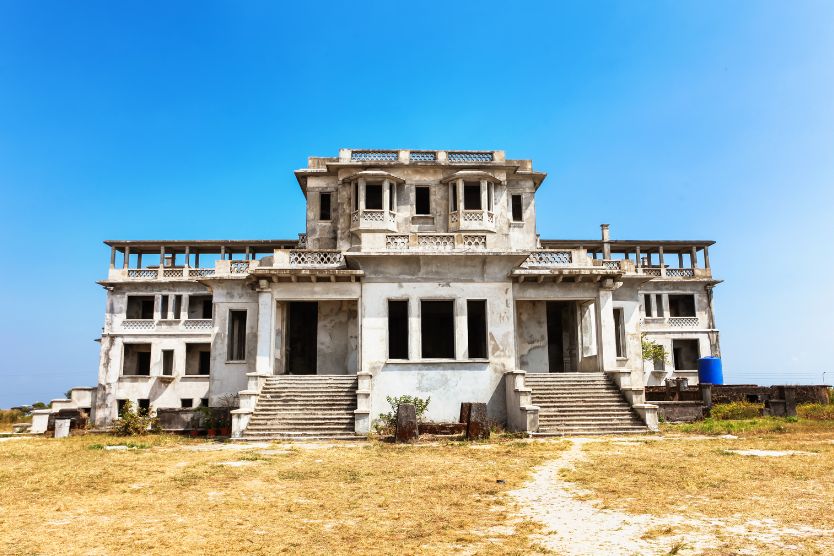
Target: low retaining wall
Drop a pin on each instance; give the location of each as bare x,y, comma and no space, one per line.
759,394
680,412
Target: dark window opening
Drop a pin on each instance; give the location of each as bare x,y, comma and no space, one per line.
648,305
518,214
619,332
324,206
204,402
197,359
685,354
163,308
120,407
167,362
397,329
200,307
177,306
236,349
137,360
302,340
454,197
143,406
472,196
658,305
437,329
392,195
373,196
489,196
476,322
139,307
186,403
422,200
681,305
355,196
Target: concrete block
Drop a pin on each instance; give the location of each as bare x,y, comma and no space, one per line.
477,425
62,428
406,423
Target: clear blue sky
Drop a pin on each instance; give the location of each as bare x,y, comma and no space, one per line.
675,120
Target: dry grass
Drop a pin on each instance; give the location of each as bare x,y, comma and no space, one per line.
700,479
8,417
72,496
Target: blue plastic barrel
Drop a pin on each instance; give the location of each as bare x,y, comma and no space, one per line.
709,370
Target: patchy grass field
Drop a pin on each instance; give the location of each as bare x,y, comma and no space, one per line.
168,495
754,500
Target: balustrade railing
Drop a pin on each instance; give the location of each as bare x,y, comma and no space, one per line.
469,156
138,324
683,322
318,258
548,258
435,242
198,324
238,267
382,156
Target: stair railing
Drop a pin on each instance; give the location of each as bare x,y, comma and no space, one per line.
248,401
522,415
624,379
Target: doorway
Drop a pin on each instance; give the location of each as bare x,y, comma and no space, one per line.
302,325
562,336
685,354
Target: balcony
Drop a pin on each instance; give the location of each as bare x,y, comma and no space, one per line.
308,258
373,220
176,326
471,220
665,323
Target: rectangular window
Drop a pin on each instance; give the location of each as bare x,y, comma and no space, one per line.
177,307
197,359
422,200
136,360
163,308
437,329
648,305
186,403
373,196
472,195
236,349
476,324
454,195
658,305
120,407
143,406
619,332
681,305
167,362
685,354
204,402
324,206
355,196
139,307
205,363
518,214
490,194
397,329
392,197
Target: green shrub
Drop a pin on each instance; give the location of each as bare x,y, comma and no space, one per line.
134,423
736,410
816,411
387,422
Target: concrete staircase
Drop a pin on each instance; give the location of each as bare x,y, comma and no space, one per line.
304,407
581,404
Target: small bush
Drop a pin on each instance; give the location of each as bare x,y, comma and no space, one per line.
736,410
387,422
816,411
133,423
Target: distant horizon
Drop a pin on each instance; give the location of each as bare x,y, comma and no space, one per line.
676,120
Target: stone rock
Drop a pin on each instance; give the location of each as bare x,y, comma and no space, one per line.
406,423
465,408
477,427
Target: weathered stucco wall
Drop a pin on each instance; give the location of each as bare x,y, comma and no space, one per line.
531,327
336,337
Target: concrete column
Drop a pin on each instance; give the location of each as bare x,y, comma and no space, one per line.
127,257
664,300
459,185
637,257
187,256
483,195
661,260
693,258
386,198
606,238
222,252
157,307
170,314
264,359
361,195
680,259
606,343
161,256
461,329
184,309
414,344
706,257
112,257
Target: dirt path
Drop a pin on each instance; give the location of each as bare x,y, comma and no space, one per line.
575,525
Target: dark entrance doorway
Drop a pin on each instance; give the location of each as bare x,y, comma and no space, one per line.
562,336
302,325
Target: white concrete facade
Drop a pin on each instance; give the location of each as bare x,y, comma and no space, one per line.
415,227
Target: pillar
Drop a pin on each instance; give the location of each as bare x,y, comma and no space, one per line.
483,195
386,198
637,256
693,258
680,259
187,256
461,329
459,185
414,344
263,358
661,260
706,257
361,195
112,257
606,343
606,238
127,256
161,256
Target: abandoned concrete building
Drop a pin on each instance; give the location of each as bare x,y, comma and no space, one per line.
420,273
